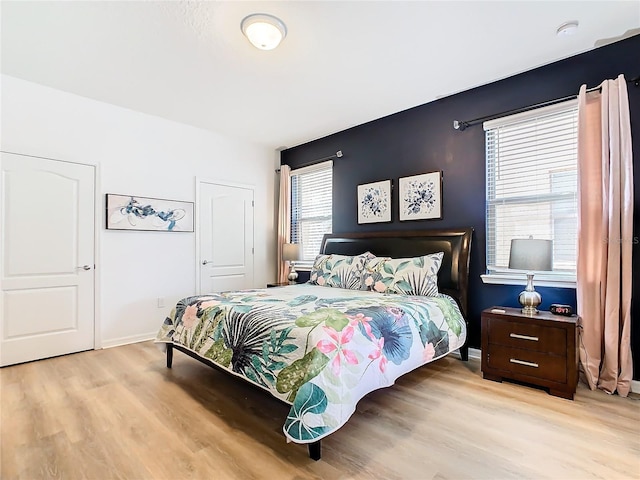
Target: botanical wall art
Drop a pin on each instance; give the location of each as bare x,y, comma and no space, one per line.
129,212
420,196
374,202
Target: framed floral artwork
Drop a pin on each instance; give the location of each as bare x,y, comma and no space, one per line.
374,202
420,196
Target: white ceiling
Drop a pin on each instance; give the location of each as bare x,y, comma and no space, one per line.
342,63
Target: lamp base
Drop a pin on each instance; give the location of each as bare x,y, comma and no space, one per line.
293,275
529,298
528,310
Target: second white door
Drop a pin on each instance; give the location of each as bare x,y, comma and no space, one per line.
226,237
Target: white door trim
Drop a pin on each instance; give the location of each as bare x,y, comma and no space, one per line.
99,207
199,181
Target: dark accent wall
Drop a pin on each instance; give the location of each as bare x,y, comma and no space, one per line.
422,139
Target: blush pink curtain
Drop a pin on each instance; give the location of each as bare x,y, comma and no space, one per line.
605,236
284,220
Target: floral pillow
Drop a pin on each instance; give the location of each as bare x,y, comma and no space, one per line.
339,271
407,276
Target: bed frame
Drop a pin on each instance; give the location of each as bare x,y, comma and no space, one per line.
453,277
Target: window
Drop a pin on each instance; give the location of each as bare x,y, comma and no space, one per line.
532,185
311,205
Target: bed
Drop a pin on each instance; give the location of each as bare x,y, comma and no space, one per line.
319,348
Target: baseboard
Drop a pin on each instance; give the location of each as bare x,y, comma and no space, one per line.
117,342
474,353
635,386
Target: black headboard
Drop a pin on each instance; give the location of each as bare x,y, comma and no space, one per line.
453,277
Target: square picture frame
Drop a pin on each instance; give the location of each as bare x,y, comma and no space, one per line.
374,202
420,196
131,212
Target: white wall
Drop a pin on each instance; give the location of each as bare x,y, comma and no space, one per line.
143,155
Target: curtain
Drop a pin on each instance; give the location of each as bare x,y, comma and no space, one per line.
284,220
605,236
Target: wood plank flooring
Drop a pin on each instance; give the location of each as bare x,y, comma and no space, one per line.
120,414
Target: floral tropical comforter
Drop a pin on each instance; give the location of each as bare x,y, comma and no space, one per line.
319,349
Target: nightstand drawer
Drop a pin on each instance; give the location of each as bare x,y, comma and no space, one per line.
528,336
528,362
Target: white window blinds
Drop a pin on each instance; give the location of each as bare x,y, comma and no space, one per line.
532,184
311,208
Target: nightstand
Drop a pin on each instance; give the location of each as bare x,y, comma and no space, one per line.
278,284
538,349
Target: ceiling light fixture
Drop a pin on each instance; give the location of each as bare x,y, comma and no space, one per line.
567,28
264,31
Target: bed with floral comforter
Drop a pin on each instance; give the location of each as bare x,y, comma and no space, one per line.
319,349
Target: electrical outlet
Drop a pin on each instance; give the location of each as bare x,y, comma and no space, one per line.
160,302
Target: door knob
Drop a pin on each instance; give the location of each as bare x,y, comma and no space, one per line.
204,262
84,267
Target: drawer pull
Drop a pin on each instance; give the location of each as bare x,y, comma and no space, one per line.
523,337
522,362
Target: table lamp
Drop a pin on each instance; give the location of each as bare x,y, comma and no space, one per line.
531,255
291,253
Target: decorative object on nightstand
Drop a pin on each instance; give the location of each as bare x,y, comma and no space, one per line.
291,253
530,254
541,349
557,309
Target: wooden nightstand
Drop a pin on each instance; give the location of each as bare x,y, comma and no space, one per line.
539,349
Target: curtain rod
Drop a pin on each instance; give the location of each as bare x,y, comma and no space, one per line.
338,154
462,125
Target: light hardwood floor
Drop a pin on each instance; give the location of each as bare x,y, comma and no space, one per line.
119,413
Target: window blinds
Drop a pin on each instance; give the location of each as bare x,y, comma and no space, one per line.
532,183
311,208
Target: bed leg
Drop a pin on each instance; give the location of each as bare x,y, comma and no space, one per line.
464,353
315,450
169,354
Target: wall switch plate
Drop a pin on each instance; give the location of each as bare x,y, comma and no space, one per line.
160,302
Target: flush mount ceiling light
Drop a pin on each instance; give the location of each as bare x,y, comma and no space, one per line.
567,28
264,31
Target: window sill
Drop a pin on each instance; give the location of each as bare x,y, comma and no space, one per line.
521,279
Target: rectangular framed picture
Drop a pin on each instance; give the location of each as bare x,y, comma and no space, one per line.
130,212
420,197
374,202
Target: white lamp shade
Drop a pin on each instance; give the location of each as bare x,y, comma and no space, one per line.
291,251
531,254
264,31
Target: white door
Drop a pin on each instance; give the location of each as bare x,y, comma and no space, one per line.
47,272
226,237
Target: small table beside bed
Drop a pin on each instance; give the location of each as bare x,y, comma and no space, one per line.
377,306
